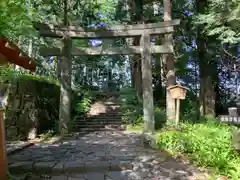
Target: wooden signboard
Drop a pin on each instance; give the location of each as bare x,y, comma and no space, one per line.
178,92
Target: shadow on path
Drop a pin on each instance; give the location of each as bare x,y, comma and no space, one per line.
100,156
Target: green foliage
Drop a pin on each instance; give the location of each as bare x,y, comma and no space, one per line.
189,108
38,78
16,18
82,107
47,134
136,128
208,144
6,74
160,118
131,107
81,104
222,18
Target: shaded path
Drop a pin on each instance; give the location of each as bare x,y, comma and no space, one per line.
99,156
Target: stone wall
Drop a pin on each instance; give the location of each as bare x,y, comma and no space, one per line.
31,108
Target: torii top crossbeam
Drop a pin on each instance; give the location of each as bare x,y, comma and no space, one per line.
9,52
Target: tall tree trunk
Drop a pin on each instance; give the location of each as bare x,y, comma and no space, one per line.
65,79
208,76
158,90
136,16
137,74
170,66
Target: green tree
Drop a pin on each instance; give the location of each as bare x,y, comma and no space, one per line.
222,19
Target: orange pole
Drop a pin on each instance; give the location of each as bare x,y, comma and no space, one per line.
3,153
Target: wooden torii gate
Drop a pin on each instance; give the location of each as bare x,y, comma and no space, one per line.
10,53
144,31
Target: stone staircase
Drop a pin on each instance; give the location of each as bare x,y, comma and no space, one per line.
104,115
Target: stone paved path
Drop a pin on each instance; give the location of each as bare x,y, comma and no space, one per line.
99,156
13,146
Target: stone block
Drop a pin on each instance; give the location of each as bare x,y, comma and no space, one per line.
61,177
58,168
118,175
23,166
97,166
95,176
74,166
120,165
81,176
44,166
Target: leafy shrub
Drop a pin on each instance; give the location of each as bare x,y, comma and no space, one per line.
208,144
160,118
82,107
131,107
6,74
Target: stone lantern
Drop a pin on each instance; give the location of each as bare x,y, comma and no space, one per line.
178,93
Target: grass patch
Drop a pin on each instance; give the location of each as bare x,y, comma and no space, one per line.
138,128
208,144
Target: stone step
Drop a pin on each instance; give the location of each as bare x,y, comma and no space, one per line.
91,129
105,116
15,146
101,117
109,113
102,122
98,121
107,175
57,168
105,102
79,132
97,125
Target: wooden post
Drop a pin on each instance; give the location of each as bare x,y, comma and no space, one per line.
65,78
66,90
148,106
177,111
3,153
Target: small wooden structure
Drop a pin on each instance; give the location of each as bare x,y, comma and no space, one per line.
10,53
178,92
144,31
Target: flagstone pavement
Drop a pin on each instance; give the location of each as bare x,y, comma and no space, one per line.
99,156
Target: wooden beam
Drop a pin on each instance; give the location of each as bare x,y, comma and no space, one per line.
13,55
10,44
108,32
39,26
103,34
148,106
162,49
